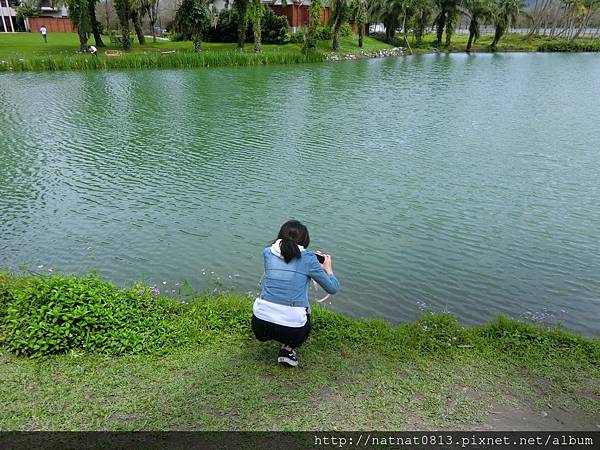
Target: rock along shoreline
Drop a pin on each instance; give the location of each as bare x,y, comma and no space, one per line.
384,53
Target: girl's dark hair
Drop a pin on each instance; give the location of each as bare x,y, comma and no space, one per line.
292,234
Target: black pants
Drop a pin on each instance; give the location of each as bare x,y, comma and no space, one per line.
291,336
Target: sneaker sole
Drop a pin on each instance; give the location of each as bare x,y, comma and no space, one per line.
289,362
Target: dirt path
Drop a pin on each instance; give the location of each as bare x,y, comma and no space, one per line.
523,418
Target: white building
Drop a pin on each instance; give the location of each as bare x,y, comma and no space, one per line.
8,16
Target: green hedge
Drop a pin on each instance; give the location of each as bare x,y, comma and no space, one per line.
569,46
47,315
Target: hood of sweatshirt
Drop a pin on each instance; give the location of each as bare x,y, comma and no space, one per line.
276,248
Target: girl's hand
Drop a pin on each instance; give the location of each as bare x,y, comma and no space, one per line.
328,264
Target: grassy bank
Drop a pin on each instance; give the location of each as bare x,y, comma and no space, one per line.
26,52
196,365
509,43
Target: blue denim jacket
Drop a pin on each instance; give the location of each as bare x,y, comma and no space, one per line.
287,283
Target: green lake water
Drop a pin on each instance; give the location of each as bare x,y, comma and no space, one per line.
466,183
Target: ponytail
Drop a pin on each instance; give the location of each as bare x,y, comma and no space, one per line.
292,234
289,249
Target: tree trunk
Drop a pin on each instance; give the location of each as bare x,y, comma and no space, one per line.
418,33
336,34
390,31
450,24
497,36
107,11
126,40
137,25
83,38
197,45
242,26
256,28
94,23
361,34
440,23
153,32
472,30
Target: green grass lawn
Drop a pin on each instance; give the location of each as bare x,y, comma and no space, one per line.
208,372
26,45
508,43
27,52
235,383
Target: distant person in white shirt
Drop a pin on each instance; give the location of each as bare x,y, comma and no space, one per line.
93,50
44,33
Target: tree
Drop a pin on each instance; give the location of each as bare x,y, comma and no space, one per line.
340,10
360,18
94,23
28,8
150,8
478,11
255,12
446,19
136,12
80,16
506,13
389,12
192,19
107,11
421,12
242,10
123,12
314,20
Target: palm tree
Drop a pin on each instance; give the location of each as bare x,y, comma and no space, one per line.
340,10
387,12
314,20
446,19
242,10
191,19
507,12
360,18
123,12
421,12
80,16
256,11
478,11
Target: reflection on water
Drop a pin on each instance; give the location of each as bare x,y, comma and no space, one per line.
467,183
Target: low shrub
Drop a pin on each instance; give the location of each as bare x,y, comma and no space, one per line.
522,337
225,30
569,46
274,28
324,33
298,37
436,332
56,314
345,30
5,295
